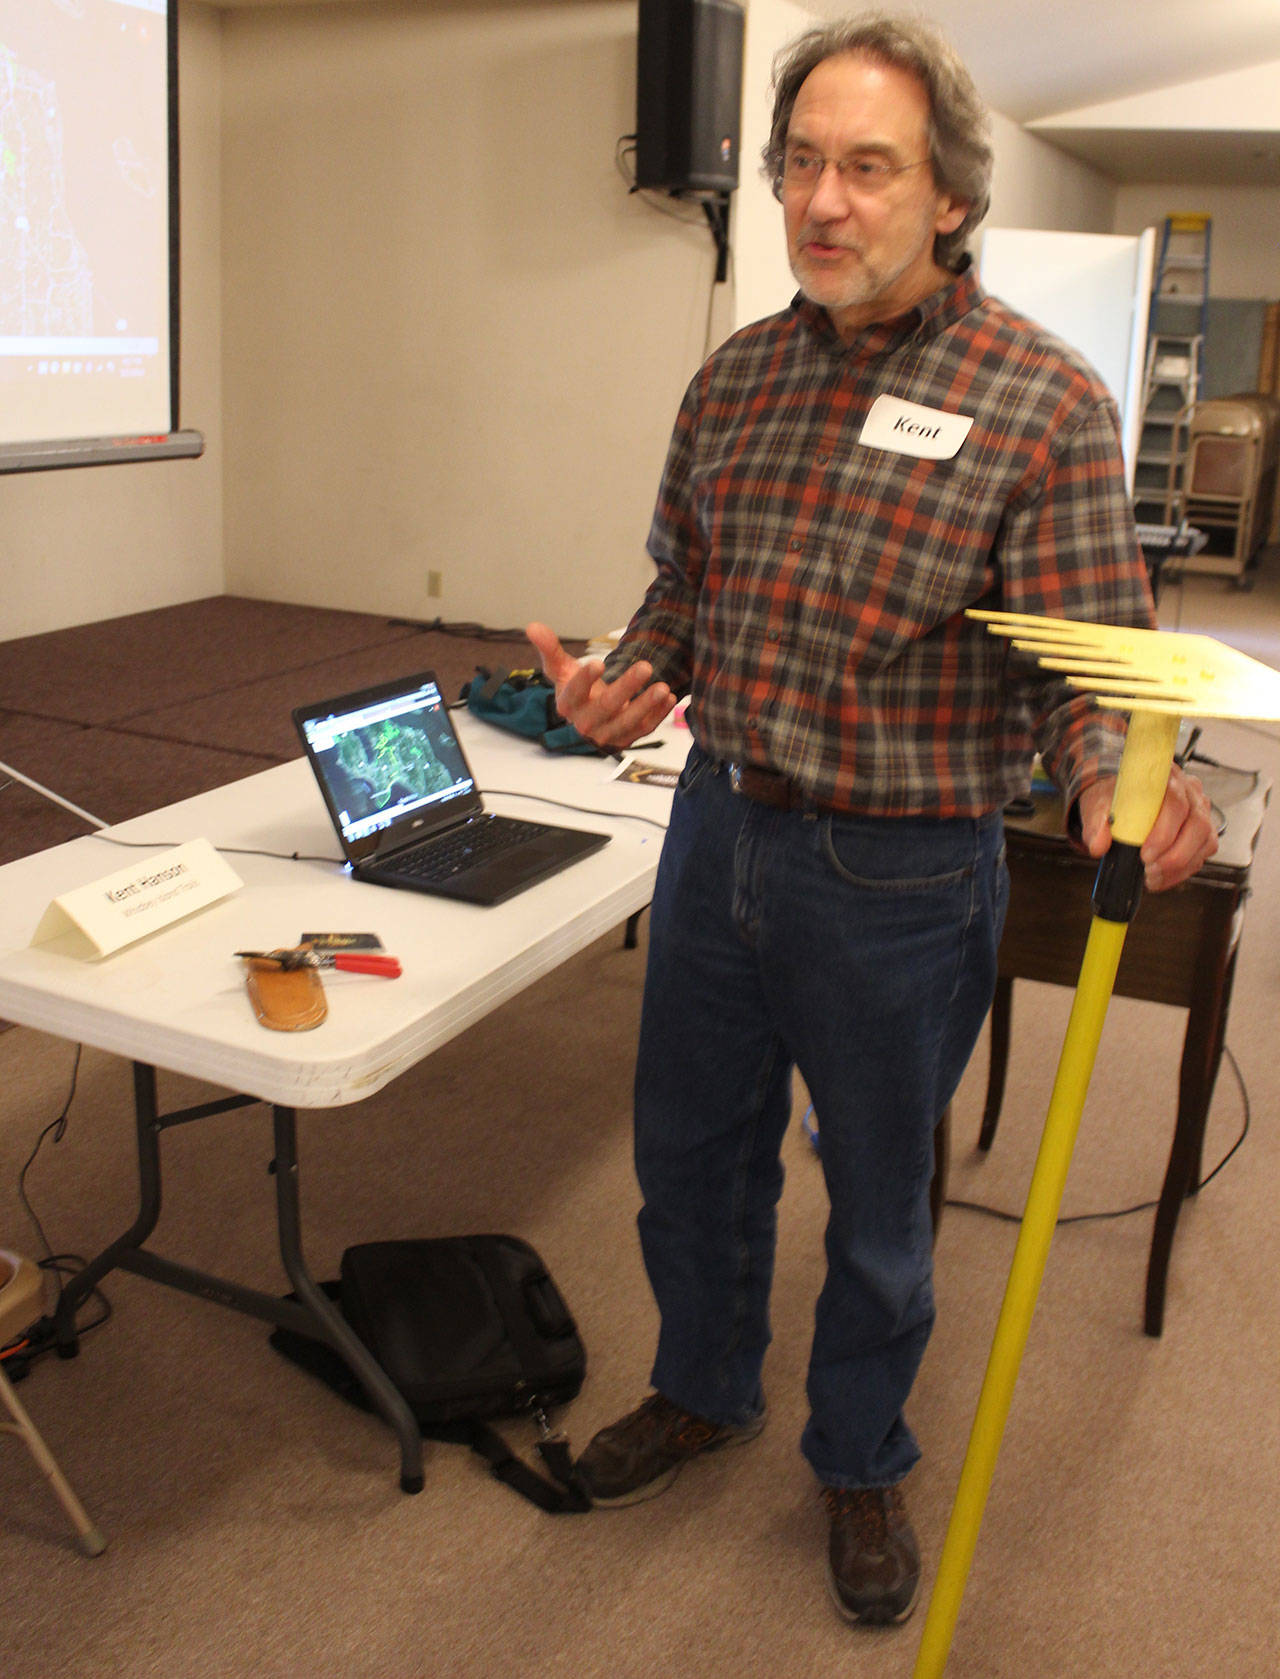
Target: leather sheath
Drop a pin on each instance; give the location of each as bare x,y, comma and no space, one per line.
285,999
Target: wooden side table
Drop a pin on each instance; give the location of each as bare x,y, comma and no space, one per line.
1180,949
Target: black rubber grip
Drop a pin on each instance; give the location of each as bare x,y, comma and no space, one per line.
1118,888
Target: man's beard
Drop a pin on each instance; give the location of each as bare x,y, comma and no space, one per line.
855,286
862,282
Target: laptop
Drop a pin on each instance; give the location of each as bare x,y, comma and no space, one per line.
405,804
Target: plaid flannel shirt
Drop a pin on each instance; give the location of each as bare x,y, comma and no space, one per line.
810,590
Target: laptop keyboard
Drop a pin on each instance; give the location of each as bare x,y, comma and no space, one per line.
471,846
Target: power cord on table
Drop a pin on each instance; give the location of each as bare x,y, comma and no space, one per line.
581,810
222,850
338,862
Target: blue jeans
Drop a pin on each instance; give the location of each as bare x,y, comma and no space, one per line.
862,951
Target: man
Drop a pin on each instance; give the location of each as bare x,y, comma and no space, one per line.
845,479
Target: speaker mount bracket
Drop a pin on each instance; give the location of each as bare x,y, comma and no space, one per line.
716,210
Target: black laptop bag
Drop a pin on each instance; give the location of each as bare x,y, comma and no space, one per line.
468,1328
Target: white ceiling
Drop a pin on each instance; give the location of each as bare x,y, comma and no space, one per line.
1036,60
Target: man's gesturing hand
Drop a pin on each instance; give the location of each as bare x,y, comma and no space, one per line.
609,713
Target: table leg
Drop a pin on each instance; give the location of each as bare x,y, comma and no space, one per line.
310,1313
1222,1008
998,1062
331,1325
1201,1055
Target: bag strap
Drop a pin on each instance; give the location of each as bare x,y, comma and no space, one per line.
564,1494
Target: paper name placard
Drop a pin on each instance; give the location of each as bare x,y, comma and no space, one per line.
118,910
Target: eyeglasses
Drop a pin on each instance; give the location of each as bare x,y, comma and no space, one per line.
803,169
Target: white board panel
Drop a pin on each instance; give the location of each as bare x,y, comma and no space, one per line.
1093,290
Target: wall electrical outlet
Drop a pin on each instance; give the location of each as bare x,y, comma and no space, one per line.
433,585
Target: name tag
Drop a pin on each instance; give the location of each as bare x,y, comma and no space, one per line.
905,428
109,914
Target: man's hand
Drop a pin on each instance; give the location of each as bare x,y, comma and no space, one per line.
1182,838
609,713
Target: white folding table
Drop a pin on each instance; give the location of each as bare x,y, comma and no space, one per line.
177,1000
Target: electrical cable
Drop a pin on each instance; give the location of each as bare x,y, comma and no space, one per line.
222,850
715,212
711,308
1189,755
37,1338
1177,582
57,1127
54,798
1140,1206
338,862
707,203
581,810
646,194
813,1136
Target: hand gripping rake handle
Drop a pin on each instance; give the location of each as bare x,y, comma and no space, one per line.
1140,786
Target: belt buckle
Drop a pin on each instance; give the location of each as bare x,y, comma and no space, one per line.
735,777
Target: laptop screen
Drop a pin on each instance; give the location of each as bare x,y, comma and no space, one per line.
389,763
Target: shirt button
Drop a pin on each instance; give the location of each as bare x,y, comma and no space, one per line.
753,722
823,459
775,635
795,545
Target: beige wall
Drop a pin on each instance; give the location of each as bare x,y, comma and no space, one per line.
425,326
97,542
1244,252
1037,186
453,340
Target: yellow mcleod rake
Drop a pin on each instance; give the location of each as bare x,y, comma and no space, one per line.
1157,677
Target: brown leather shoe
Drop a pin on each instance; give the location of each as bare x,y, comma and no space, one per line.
873,1560
642,1453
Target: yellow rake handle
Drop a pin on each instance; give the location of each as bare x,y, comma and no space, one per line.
1144,774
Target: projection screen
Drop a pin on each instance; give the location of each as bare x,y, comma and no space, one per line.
88,232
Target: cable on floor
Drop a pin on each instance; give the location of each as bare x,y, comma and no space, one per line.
808,1125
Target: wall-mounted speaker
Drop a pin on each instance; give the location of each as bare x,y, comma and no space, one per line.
689,95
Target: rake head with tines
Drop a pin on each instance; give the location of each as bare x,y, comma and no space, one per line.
1148,670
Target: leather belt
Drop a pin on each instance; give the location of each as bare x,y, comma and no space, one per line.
768,787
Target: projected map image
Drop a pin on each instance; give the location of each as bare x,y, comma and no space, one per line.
84,216
46,282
